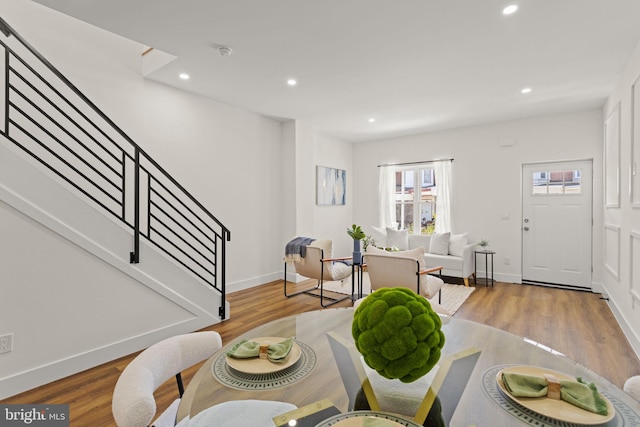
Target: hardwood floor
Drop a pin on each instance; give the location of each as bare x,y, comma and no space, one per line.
577,324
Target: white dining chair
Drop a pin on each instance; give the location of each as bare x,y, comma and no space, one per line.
133,403
632,387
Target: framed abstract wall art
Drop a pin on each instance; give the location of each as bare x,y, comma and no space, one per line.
331,186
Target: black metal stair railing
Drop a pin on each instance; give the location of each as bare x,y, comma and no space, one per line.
48,118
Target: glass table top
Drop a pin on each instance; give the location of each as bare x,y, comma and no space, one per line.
316,376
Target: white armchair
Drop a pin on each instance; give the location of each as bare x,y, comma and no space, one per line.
318,263
403,269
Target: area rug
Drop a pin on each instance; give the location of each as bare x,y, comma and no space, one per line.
453,296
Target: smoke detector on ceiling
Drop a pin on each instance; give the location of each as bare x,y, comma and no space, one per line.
224,51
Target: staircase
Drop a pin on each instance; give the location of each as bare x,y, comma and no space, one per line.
68,168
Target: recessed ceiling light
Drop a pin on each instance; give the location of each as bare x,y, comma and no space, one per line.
509,9
371,120
526,90
184,76
292,82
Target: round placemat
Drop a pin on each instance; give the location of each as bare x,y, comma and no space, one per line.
625,416
239,380
355,418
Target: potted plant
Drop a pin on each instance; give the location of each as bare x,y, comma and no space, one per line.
368,241
356,233
483,244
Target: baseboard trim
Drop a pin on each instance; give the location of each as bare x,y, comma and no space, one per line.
254,281
634,340
38,376
507,278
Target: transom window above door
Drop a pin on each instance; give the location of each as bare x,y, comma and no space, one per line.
550,182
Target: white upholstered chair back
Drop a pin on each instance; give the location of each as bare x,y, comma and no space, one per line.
393,270
632,387
133,403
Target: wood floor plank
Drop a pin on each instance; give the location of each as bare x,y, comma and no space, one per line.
577,324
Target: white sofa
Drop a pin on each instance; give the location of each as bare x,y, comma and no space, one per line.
452,251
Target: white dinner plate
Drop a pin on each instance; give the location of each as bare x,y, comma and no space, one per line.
553,408
264,366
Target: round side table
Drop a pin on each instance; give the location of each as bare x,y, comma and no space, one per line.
486,279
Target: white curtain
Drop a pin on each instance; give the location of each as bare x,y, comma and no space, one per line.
386,197
443,202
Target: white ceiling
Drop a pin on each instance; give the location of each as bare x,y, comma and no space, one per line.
413,65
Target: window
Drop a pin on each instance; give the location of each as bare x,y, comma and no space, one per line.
415,205
556,182
411,197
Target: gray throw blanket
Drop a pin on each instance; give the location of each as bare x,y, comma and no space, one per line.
296,249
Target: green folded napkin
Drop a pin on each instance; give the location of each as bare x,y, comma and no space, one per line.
276,352
577,392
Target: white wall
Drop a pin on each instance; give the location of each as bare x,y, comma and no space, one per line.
304,180
54,335
621,264
311,149
332,221
486,175
288,212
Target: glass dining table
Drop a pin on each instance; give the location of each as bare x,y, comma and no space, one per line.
314,374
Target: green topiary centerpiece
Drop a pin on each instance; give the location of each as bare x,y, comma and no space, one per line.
398,333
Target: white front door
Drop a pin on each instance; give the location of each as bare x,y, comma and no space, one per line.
556,223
